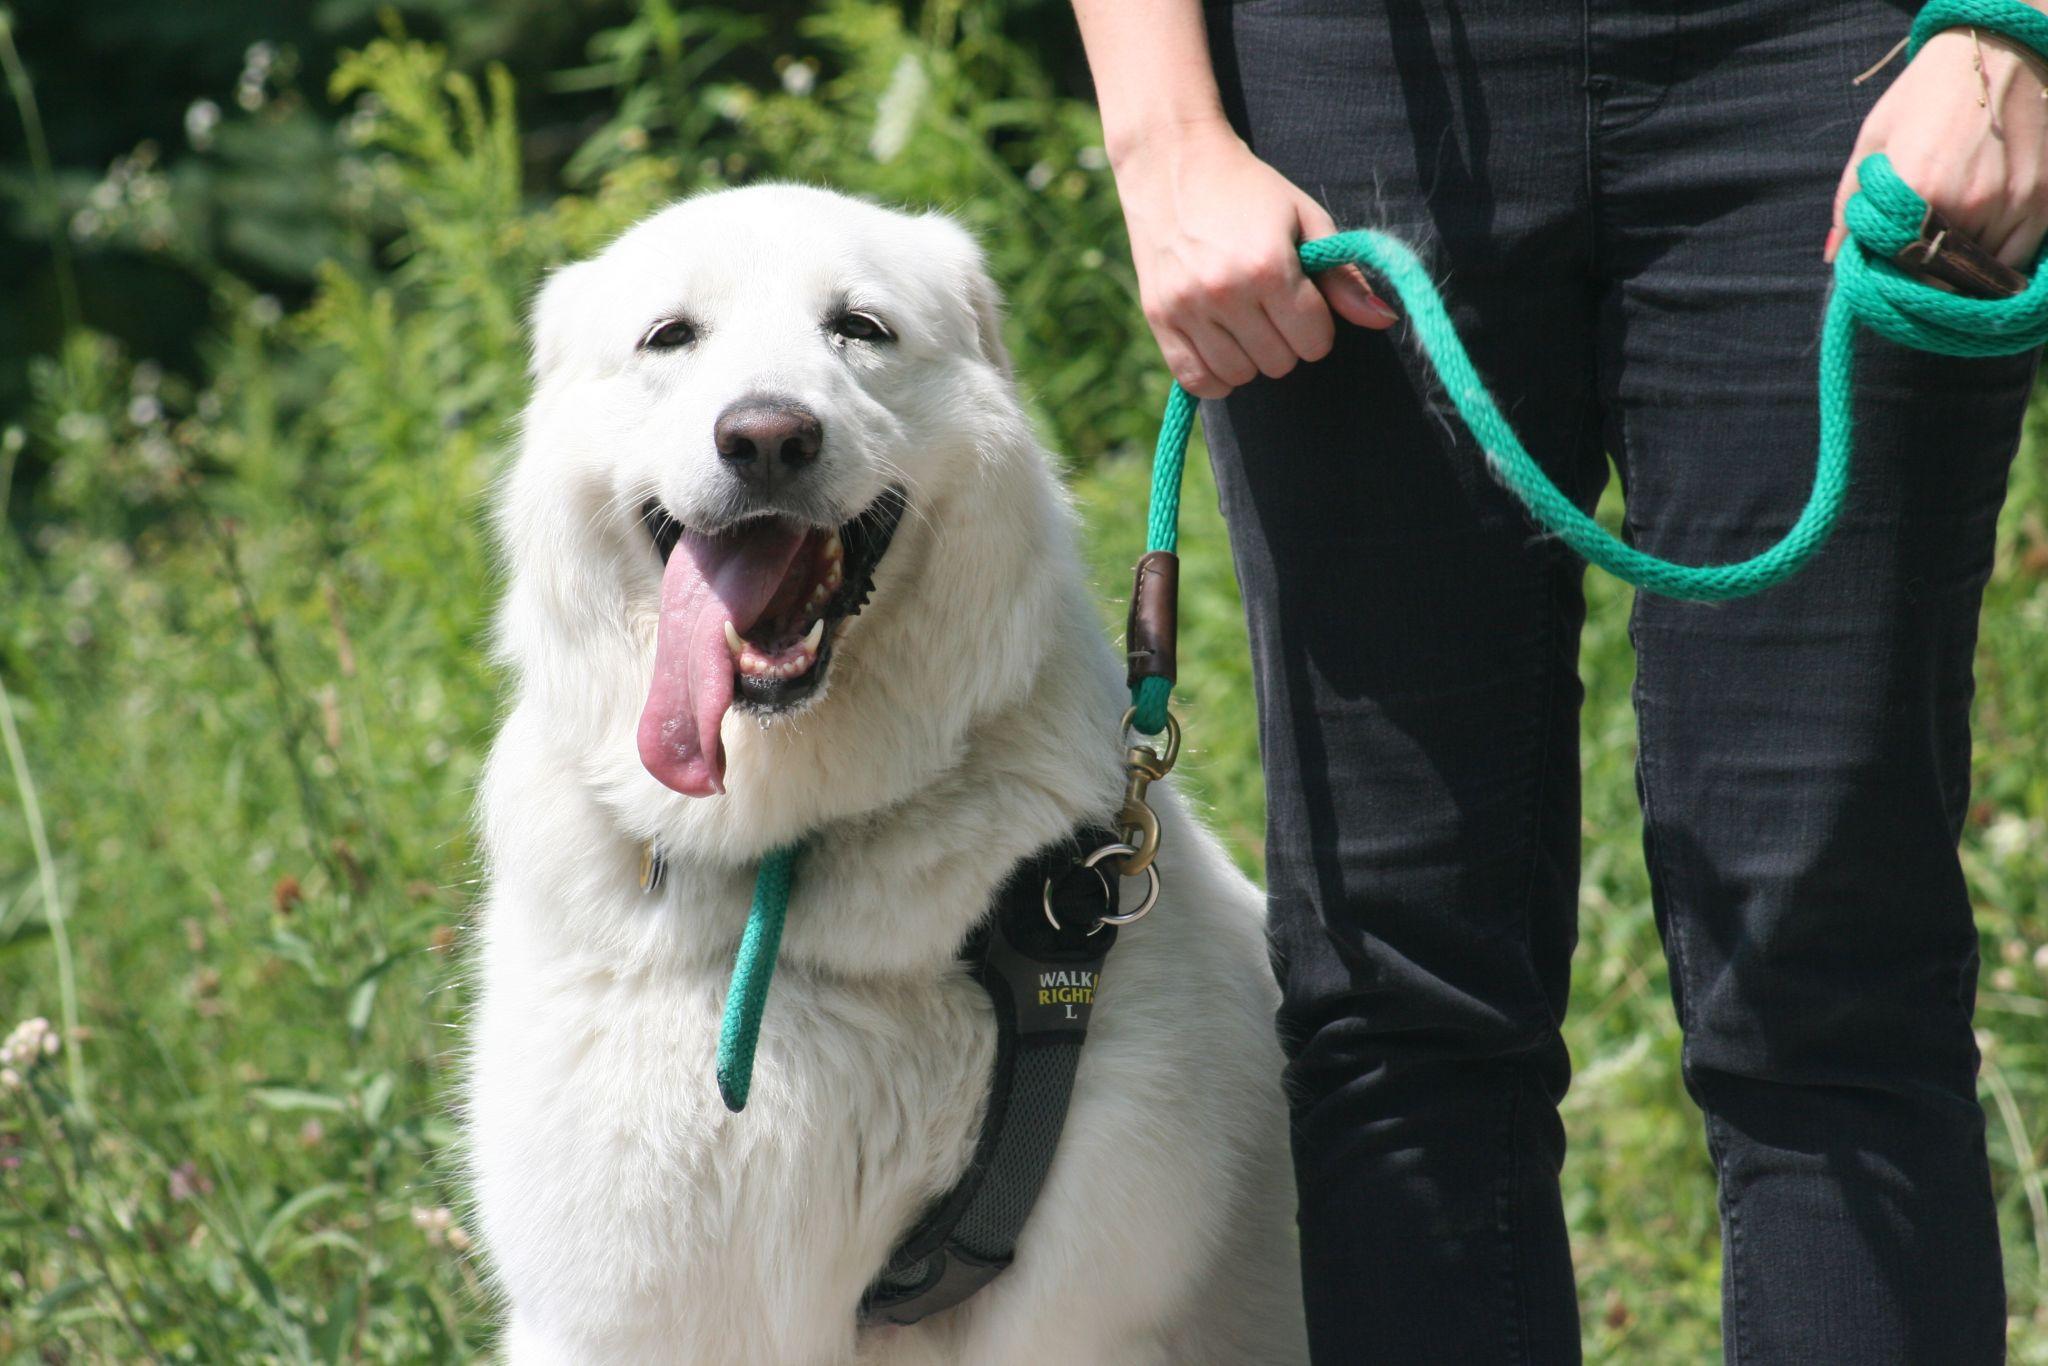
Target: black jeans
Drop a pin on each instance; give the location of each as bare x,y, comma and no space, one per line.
1626,203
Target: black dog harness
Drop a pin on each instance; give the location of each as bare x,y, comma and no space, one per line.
1039,955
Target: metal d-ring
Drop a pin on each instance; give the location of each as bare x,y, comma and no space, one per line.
1090,862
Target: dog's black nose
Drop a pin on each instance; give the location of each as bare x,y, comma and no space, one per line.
762,439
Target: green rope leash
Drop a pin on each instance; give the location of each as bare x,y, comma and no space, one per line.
745,997
1884,216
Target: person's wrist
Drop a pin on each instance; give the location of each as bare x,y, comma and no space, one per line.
1132,139
1984,39
2028,62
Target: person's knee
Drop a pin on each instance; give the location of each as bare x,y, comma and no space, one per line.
1864,1020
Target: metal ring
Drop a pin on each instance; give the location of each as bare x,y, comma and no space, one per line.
1106,850
1090,862
1151,900
1166,760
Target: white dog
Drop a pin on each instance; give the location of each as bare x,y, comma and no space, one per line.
753,388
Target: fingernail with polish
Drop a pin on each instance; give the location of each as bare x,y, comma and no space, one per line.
1377,307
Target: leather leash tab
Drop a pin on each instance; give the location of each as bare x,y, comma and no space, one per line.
1154,623
1946,255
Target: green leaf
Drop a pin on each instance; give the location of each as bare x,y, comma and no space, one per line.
289,1212
289,1098
376,1096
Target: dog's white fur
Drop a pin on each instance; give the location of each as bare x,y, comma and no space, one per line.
969,717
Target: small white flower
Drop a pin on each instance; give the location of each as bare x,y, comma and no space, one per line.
896,112
1092,159
800,78
10,1080
202,117
26,1044
438,1224
1039,176
2006,836
80,427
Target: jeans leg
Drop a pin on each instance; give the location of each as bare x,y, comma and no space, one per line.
1415,657
1804,758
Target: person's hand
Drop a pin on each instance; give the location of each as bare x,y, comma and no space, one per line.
1213,234
1973,143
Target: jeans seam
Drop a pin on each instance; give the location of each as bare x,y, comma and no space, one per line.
1517,1317
1733,1338
1734,1341
1592,138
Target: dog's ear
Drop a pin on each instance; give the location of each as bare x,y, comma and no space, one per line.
987,303
557,313
972,285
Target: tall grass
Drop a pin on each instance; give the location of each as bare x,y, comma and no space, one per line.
247,703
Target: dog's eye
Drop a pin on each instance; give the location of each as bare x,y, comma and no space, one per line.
861,327
668,335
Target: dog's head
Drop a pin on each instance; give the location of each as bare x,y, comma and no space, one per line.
744,407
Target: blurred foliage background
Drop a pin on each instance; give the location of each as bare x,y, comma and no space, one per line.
266,267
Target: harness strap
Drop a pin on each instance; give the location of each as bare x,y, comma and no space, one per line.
1041,983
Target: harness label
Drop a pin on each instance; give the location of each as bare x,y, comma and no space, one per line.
1068,991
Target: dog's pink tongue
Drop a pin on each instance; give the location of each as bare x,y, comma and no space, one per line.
710,580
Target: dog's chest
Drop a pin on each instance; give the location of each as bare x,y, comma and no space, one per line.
603,1141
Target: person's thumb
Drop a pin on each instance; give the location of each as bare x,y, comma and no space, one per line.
1344,288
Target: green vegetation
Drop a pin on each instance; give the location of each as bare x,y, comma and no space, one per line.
246,696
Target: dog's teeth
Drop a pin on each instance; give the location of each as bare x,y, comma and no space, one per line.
833,550
732,638
815,636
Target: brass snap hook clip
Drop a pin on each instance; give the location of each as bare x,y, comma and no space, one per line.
1143,766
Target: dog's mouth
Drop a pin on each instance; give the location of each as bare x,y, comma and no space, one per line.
749,615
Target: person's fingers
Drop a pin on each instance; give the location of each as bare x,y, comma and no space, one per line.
1248,322
1299,314
1220,353
1186,363
2014,236
1344,288
1348,293
2021,244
